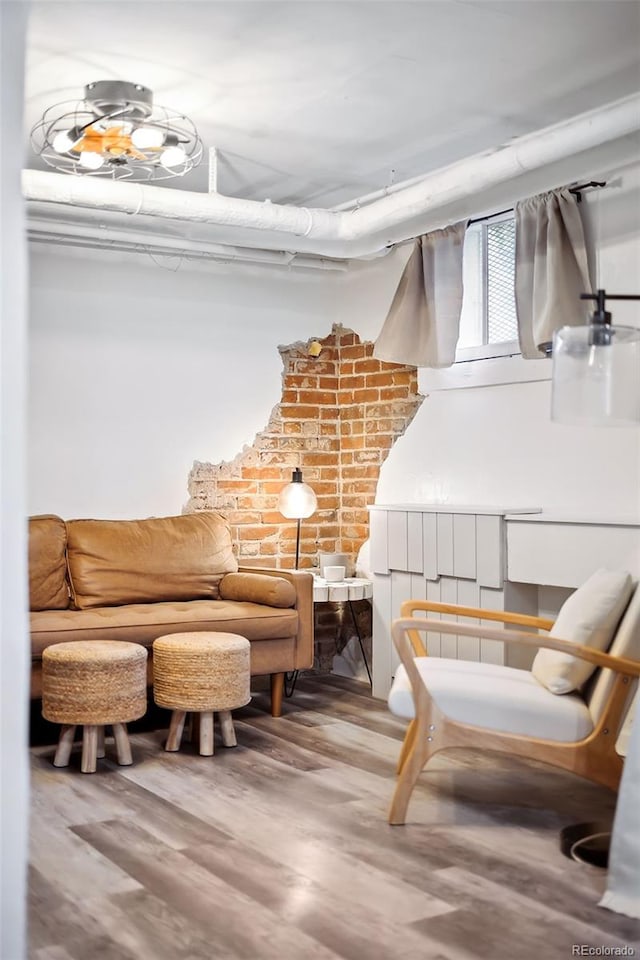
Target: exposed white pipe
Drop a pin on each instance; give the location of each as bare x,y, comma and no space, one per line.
359,232
213,170
84,235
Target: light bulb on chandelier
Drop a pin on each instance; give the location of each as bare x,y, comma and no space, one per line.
117,132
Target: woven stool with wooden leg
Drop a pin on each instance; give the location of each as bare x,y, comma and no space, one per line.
201,673
93,683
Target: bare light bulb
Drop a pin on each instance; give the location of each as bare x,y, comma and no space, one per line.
91,160
62,142
146,137
172,157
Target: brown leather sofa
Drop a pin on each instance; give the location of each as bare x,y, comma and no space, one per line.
140,579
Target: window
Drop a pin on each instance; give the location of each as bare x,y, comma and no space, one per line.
488,325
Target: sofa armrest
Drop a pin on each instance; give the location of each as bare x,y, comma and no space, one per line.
303,584
256,588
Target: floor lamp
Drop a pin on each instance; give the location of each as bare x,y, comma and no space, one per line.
297,501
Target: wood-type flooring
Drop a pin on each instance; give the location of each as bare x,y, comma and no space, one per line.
279,849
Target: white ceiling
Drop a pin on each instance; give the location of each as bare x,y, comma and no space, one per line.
320,102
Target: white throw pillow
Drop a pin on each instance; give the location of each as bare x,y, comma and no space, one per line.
589,617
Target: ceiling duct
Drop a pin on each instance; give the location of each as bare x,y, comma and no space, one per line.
403,212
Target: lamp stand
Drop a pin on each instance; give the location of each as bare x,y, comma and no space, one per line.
298,543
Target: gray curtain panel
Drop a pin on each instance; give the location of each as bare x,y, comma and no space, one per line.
423,322
551,268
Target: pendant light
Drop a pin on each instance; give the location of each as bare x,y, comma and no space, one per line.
596,370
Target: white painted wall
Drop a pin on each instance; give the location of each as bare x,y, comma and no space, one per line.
496,444
14,648
138,369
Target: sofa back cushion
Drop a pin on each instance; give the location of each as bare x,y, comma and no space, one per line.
48,589
114,562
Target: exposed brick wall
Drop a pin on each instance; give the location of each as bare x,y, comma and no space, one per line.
339,416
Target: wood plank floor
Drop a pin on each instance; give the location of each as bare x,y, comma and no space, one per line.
279,848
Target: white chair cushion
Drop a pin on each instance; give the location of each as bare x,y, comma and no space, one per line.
589,617
497,698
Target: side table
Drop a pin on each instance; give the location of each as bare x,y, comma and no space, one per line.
341,591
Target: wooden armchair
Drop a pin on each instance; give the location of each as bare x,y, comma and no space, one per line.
457,703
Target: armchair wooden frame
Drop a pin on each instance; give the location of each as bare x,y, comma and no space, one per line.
431,731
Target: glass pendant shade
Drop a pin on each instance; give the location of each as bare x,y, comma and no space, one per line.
297,500
596,376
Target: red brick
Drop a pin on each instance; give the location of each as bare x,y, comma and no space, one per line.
330,473
314,368
298,412
243,516
328,413
328,383
359,472
352,443
366,366
294,427
300,382
237,486
259,532
263,473
366,396
354,352
393,393
317,396
269,548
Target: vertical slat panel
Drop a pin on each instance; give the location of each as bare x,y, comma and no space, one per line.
430,545
491,651
382,643
448,594
414,543
400,591
445,544
464,546
397,527
490,550
378,541
433,639
468,596
418,587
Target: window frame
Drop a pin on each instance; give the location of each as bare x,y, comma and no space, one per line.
503,348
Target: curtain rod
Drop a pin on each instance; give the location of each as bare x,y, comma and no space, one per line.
576,191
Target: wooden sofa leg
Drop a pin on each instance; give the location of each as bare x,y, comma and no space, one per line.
277,690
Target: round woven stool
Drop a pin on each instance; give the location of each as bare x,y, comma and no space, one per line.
93,683
201,673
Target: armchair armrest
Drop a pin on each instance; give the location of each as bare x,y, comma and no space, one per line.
409,607
402,629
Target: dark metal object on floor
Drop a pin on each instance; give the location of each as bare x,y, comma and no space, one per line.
587,843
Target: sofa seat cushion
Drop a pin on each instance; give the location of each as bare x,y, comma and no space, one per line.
495,697
143,622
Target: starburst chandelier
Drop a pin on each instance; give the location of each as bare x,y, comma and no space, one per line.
117,132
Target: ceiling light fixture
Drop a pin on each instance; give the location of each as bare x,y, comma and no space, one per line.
117,132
